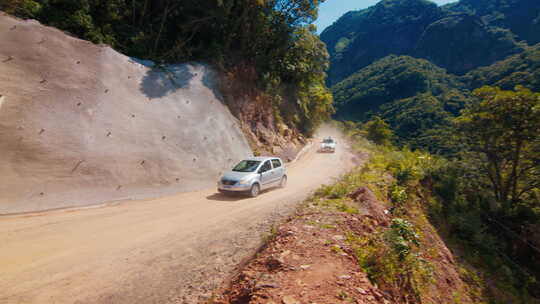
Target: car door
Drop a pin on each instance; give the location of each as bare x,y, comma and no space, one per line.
266,174
278,170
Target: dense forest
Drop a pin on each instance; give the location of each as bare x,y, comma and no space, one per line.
413,95
458,81
271,45
458,37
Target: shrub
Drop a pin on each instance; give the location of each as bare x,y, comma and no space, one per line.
398,194
379,132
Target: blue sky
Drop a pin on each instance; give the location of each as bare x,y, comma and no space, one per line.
331,10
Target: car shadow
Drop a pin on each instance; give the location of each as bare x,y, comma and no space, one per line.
232,197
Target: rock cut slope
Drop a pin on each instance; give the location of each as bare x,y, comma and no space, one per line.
82,124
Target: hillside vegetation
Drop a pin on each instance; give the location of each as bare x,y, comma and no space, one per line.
519,16
467,94
521,69
457,37
496,262
413,95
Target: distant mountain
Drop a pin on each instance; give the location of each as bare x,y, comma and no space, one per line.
392,78
522,17
361,37
458,37
521,69
413,95
414,63
463,42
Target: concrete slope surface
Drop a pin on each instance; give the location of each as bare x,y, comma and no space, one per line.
82,124
174,249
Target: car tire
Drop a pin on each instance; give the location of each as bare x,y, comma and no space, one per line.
283,181
255,190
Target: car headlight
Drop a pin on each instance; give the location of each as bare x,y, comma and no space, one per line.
244,181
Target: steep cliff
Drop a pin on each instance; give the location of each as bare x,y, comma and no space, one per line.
82,124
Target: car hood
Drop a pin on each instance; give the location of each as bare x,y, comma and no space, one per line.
324,145
236,176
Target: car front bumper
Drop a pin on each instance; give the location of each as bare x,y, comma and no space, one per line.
234,188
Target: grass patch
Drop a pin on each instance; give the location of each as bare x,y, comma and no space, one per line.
267,237
327,226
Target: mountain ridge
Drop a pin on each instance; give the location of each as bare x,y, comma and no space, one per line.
451,36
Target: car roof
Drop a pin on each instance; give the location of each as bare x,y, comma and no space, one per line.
262,158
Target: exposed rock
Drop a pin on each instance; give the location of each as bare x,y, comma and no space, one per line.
374,208
275,263
361,290
266,282
338,237
290,300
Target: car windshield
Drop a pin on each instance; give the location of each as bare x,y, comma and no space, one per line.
328,141
247,166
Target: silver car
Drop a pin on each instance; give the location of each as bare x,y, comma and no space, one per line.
253,175
328,145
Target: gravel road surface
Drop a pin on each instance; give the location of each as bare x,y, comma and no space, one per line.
174,249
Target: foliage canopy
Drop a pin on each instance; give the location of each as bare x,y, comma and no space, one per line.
505,129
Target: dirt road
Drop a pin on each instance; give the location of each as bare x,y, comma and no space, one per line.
170,250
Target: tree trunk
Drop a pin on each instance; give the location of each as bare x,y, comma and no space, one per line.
161,27
514,176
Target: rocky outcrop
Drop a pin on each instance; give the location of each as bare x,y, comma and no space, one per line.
82,124
264,129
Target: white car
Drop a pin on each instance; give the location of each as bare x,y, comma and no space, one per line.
328,145
253,175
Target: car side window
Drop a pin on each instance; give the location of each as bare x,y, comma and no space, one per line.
276,163
265,167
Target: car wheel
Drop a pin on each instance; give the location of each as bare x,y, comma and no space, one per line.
255,189
283,182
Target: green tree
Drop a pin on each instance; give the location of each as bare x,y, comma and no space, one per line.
304,67
378,131
504,128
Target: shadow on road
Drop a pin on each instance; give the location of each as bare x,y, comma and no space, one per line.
233,197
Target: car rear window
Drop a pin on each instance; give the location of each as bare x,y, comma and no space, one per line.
276,163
